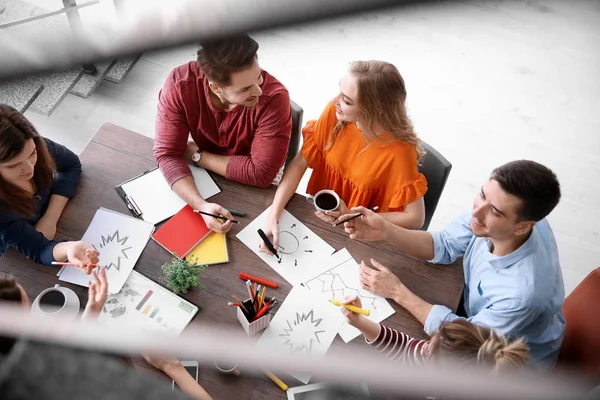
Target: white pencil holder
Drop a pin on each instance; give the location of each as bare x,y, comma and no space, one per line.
254,327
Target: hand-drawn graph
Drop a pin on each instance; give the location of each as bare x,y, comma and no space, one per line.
331,283
299,248
305,324
338,277
304,332
112,244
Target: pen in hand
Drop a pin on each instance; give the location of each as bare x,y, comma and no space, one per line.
268,243
353,217
217,216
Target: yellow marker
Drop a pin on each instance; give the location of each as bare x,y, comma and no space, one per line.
277,381
352,308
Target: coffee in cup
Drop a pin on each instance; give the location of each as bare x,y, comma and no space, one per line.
325,200
52,301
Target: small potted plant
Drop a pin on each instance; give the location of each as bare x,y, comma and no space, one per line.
181,274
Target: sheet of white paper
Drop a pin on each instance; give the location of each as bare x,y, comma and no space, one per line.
120,239
304,324
157,201
144,304
299,247
338,277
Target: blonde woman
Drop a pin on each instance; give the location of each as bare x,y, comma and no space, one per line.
459,340
364,148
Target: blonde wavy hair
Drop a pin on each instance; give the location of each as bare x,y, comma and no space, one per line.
381,101
464,341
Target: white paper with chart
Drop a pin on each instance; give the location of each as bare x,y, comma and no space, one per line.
338,277
304,324
299,247
144,304
120,239
155,199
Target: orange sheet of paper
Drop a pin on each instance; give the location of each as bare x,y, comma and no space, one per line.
212,250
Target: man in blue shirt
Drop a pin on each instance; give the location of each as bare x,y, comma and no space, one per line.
513,281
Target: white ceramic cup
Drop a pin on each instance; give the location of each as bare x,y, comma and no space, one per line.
319,206
56,300
228,369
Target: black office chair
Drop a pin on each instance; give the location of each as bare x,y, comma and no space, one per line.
436,169
294,147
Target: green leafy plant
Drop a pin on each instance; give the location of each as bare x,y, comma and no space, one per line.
181,274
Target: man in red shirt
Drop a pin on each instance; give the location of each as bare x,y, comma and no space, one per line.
239,118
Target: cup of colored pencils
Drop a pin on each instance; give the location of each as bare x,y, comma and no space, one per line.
254,313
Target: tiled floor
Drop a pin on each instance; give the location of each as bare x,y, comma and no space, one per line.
488,82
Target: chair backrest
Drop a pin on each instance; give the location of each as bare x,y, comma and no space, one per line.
294,147
580,348
436,169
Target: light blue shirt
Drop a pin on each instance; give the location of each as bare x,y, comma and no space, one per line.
520,294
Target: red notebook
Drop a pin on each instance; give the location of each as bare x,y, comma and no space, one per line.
182,233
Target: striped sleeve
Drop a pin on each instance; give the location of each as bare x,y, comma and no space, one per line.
399,347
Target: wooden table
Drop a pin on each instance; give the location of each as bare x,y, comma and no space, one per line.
116,154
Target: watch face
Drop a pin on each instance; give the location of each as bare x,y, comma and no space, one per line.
196,157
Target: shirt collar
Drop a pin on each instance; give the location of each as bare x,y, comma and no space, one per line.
506,261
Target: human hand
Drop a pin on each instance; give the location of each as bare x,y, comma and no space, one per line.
83,256
47,227
351,317
332,216
191,148
379,280
216,224
165,364
369,226
271,229
97,294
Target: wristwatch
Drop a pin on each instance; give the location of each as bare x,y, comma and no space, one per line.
196,157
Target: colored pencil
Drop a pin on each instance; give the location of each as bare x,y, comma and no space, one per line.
353,217
242,305
277,381
217,216
244,276
262,296
250,291
262,311
352,308
68,264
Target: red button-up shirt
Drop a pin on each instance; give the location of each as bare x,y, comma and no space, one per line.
256,139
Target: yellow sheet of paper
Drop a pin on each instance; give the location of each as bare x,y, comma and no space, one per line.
212,250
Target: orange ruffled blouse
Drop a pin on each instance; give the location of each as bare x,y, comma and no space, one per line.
379,174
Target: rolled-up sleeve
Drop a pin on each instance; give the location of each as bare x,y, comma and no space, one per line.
452,242
269,146
68,170
507,316
172,131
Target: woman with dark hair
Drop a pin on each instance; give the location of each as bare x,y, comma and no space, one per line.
37,179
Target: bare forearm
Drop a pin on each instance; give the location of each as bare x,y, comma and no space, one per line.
404,219
187,383
56,206
289,184
415,305
187,190
412,242
214,162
